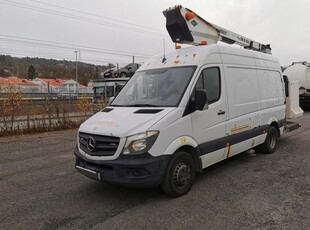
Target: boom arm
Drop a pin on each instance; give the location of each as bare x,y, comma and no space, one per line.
186,27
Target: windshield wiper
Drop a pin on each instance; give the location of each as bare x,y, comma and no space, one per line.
142,105
119,105
136,105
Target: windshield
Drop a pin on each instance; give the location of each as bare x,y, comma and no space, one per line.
159,87
99,92
104,91
110,89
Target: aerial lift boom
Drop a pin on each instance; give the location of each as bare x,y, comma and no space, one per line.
186,27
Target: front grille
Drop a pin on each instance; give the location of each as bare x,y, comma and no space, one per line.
102,146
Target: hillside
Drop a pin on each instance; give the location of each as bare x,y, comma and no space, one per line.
48,68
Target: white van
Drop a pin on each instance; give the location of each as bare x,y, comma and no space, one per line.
182,113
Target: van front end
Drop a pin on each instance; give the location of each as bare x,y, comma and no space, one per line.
128,145
114,145
143,170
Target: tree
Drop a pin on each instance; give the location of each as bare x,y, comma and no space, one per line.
111,65
31,73
2,72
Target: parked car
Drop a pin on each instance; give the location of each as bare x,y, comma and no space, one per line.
128,70
109,73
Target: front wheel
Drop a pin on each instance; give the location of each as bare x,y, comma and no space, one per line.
180,174
270,144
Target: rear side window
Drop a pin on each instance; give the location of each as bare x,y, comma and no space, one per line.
209,80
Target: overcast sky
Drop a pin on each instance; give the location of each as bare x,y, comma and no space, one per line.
112,31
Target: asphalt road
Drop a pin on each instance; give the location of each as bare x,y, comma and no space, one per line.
40,189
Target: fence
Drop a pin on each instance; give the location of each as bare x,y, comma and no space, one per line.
40,96
21,114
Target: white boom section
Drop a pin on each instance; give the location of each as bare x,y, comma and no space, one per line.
184,26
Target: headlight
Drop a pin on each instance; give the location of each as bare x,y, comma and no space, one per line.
140,143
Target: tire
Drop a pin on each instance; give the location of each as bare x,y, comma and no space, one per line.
180,174
270,144
122,74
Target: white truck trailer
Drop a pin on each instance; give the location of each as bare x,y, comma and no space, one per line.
186,110
300,71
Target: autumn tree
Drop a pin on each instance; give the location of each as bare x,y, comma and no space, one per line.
31,73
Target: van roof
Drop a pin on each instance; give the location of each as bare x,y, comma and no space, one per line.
196,55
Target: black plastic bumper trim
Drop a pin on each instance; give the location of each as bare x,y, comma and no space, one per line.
141,170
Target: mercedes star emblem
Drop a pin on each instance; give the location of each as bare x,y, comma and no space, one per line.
91,144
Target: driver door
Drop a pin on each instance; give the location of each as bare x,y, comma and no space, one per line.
209,125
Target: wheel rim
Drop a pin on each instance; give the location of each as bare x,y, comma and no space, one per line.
182,174
273,140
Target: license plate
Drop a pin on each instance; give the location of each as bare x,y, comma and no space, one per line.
88,172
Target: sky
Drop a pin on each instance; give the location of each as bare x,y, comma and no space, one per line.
113,31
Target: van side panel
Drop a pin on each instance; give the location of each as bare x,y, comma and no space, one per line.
255,97
271,88
243,90
244,109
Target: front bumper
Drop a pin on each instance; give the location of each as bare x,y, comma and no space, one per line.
141,170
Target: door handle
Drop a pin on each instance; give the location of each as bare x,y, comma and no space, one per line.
221,112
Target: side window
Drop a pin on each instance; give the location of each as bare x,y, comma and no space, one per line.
209,80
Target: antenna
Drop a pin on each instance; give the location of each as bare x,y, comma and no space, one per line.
164,51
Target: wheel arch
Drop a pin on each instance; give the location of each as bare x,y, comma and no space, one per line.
274,122
194,152
276,126
186,144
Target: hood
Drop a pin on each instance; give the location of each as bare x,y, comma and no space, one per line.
123,121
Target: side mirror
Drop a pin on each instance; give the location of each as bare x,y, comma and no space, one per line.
110,100
201,101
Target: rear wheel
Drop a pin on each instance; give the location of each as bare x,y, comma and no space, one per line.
270,144
180,174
